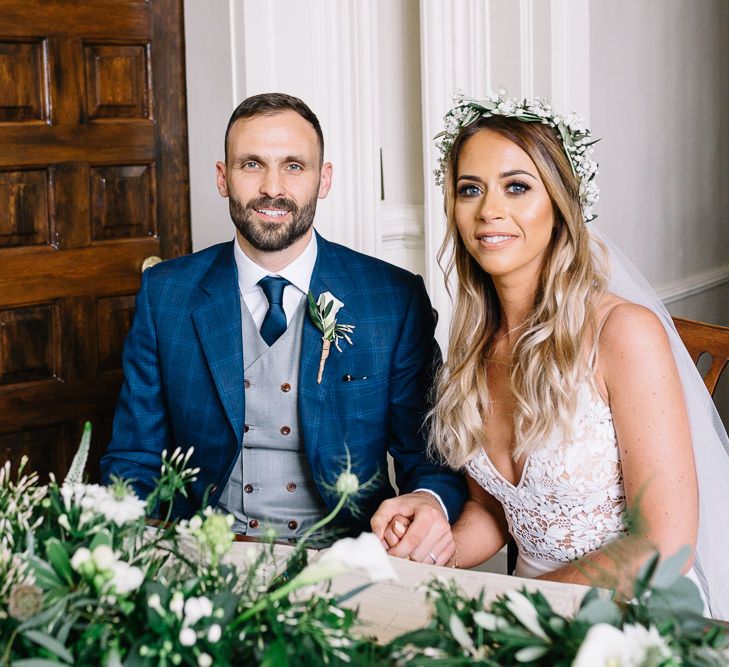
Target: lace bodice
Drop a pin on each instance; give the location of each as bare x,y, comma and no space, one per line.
570,499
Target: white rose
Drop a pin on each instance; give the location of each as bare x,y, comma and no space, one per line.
204,660
604,646
365,552
646,644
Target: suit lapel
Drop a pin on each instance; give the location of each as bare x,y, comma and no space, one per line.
218,324
330,275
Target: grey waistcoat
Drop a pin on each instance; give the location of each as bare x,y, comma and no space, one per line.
271,485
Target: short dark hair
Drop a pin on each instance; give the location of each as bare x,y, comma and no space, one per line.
270,104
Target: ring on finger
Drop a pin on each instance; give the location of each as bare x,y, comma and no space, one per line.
435,560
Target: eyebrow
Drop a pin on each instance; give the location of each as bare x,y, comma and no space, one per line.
250,157
504,174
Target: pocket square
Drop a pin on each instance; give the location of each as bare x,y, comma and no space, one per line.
352,378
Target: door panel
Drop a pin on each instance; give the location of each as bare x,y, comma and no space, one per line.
93,179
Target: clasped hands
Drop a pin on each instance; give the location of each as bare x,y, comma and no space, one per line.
414,526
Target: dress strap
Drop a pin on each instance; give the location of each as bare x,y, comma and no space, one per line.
592,359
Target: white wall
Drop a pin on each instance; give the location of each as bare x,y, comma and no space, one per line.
210,101
659,81
659,75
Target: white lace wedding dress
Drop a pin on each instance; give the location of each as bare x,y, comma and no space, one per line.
570,499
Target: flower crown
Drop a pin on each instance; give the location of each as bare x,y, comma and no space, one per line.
575,136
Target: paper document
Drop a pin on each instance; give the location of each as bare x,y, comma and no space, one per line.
391,608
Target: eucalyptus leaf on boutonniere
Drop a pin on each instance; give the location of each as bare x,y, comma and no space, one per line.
323,313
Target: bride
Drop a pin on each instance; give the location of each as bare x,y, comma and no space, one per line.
567,396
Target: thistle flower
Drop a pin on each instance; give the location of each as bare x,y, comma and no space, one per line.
25,601
347,483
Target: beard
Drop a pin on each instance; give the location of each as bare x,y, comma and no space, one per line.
272,236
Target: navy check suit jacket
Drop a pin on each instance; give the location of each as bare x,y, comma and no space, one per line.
183,380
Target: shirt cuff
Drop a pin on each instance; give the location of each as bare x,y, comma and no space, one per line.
440,502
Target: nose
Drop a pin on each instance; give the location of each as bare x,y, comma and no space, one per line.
271,184
493,206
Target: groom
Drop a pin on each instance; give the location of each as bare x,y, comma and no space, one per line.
223,356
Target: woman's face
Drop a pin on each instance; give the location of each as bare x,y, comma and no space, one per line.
502,209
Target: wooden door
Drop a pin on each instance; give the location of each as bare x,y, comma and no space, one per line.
93,180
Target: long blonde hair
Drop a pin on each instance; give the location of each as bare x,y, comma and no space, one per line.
548,360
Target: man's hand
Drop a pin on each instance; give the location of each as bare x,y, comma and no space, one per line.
414,526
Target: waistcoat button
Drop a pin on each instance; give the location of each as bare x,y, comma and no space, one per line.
253,523
285,387
247,384
291,487
248,488
285,430
293,525
246,428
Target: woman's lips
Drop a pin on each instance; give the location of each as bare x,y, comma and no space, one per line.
495,241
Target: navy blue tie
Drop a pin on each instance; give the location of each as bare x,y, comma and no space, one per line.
274,324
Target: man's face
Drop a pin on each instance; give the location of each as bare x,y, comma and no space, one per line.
272,179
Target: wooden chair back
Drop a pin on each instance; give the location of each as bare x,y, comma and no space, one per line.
699,337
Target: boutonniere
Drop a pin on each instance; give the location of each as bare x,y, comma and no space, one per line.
323,313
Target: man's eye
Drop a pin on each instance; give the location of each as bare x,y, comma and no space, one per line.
250,165
295,167
469,190
517,188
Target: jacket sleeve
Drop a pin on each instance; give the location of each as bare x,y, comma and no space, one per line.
414,362
141,428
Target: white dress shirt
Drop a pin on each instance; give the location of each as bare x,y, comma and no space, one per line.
298,273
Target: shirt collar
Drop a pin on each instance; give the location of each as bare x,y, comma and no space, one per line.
298,273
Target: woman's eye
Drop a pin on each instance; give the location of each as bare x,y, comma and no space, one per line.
469,190
517,188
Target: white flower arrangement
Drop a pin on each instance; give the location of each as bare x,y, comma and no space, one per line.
575,136
111,591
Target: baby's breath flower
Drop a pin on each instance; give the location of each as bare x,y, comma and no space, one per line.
154,602
103,557
80,557
187,637
214,633
177,604
197,608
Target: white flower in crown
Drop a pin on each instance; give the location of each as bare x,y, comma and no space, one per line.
576,139
323,313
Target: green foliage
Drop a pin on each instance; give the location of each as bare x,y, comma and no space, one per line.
521,628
